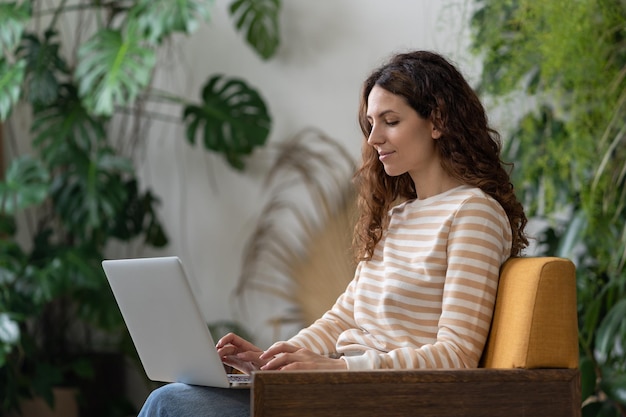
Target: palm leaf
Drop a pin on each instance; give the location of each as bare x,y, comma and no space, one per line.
158,19
323,274
113,68
13,17
26,184
234,118
298,254
259,20
11,77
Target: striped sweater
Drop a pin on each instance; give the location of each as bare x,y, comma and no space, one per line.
426,298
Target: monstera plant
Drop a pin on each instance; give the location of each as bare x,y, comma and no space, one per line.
80,73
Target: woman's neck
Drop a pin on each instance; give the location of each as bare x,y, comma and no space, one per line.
430,187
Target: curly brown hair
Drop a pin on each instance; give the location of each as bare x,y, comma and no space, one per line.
469,148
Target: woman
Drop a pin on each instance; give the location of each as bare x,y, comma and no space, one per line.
438,218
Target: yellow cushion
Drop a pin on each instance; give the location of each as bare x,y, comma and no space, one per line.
535,321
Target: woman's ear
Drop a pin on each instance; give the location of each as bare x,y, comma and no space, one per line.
436,133
436,121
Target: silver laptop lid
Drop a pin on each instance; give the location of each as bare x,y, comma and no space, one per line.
165,323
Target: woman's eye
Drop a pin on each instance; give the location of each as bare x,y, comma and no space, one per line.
392,123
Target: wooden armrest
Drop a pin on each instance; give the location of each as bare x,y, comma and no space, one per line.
440,393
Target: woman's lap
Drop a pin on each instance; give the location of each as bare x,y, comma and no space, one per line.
182,400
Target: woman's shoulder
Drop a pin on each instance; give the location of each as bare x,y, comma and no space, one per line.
474,195
463,197
453,196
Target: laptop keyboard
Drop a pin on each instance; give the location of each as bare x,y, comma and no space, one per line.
239,378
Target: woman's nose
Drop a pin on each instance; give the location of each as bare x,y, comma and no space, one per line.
374,137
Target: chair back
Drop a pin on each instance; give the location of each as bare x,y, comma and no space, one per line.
535,322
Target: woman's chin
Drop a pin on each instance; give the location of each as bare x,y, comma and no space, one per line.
393,172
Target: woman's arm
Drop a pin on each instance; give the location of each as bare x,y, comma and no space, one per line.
321,336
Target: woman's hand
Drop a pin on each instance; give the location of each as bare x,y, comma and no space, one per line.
237,352
287,357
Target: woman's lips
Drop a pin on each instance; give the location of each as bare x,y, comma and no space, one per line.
382,155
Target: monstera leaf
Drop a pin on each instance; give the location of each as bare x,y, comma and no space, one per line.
159,18
13,17
64,125
139,216
11,77
90,193
259,20
42,63
113,68
234,118
26,184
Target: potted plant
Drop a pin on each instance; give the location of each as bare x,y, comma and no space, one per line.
80,193
58,316
569,58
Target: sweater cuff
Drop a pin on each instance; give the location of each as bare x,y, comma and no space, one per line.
359,362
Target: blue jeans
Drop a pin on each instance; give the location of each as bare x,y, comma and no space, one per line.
182,400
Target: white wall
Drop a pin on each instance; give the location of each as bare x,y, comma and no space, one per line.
328,47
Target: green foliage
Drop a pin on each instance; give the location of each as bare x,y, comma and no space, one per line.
13,16
26,184
81,194
43,63
259,20
158,19
234,118
547,165
58,284
570,59
9,336
113,68
66,125
11,77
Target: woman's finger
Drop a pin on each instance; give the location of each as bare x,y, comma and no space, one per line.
251,357
278,348
279,361
235,340
228,350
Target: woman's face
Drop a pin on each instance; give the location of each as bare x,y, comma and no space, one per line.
405,141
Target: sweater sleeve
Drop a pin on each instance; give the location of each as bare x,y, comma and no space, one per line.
321,336
479,241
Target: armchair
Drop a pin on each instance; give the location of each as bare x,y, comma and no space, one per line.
528,368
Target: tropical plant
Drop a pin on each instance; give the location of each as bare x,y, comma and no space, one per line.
54,299
84,70
569,58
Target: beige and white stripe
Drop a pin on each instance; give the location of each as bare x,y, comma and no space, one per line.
426,297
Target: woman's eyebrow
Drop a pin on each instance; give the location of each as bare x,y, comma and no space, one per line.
382,113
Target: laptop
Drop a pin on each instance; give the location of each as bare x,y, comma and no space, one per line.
165,323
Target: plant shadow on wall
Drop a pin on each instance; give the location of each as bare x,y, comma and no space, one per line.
300,252
570,58
84,70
